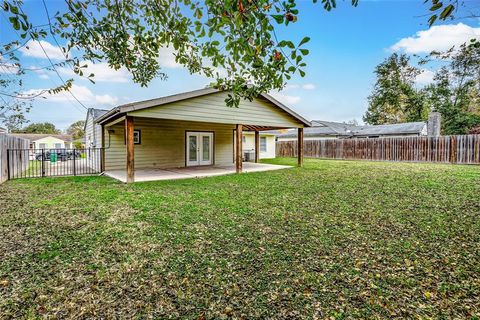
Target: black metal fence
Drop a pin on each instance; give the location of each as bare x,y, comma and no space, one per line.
53,162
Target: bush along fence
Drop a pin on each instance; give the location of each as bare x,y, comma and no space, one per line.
462,149
20,160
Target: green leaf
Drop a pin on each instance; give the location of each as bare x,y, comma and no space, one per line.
302,73
447,12
432,20
436,6
278,18
304,40
304,51
15,23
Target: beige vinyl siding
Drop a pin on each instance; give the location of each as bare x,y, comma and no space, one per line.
89,136
93,133
249,144
163,143
211,108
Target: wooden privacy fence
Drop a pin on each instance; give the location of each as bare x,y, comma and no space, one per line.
453,149
21,161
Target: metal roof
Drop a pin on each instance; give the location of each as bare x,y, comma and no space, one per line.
97,113
327,128
187,95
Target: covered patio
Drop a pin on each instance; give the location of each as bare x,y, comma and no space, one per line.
190,135
154,174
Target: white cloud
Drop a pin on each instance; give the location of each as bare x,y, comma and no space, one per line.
287,99
34,49
308,86
292,86
426,77
6,67
437,38
44,76
166,58
101,71
82,93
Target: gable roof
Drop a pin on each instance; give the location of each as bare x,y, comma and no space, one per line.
135,106
328,128
38,136
97,113
390,129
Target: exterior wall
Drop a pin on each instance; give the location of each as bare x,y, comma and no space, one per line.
93,133
50,143
163,143
249,144
211,108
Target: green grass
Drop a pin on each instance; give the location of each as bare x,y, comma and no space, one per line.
335,239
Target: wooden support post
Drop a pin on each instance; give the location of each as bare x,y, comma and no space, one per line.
130,149
102,151
257,147
238,151
300,147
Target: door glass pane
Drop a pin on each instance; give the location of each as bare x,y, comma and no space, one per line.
192,148
205,148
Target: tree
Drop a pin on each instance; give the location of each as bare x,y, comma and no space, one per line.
236,36
449,9
394,98
15,122
45,127
12,107
455,92
76,129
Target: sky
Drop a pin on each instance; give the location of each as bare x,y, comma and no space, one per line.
346,45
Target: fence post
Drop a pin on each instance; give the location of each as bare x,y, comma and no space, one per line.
74,162
453,149
8,164
43,163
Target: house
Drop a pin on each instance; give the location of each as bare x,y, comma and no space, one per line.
46,141
266,144
93,131
336,130
193,129
3,130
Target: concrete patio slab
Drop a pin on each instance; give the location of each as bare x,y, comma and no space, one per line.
152,174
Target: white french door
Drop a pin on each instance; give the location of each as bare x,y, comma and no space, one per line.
199,148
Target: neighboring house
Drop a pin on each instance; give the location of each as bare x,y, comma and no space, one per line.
189,129
46,141
267,144
3,130
93,131
334,130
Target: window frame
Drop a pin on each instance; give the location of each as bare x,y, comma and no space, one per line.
263,148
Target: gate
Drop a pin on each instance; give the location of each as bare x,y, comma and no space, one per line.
33,163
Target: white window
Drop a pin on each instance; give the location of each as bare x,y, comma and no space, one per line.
244,139
42,145
58,145
263,144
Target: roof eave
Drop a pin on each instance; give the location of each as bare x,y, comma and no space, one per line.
183,96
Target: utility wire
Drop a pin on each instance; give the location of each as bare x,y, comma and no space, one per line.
56,71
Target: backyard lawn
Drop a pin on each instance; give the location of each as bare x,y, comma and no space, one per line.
335,239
